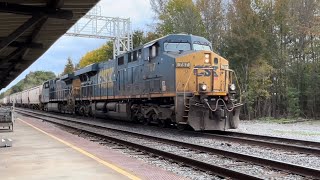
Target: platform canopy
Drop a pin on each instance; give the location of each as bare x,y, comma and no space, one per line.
29,27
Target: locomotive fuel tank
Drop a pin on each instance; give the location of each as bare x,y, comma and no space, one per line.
54,107
119,111
100,106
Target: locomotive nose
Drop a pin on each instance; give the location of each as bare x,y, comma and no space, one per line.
205,72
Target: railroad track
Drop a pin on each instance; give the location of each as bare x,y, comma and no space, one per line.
99,129
303,146
300,146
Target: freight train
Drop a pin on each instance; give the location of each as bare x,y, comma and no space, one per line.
176,79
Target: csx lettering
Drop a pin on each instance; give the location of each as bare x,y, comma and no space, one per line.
105,76
205,72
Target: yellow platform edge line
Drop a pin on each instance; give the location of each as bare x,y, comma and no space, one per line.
109,165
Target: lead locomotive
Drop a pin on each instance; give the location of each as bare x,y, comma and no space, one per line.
176,79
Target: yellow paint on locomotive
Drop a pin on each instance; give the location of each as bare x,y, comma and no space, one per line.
193,69
105,77
76,84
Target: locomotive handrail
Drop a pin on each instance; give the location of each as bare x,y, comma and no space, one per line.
206,68
229,110
184,89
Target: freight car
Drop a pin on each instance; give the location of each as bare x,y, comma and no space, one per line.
31,98
176,79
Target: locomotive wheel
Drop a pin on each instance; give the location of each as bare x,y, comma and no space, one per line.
182,127
138,118
90,113
135,119
146,121
162,123
86,111
81,111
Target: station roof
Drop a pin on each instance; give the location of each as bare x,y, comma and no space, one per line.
29,27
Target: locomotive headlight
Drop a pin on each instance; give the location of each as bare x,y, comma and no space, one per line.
203,87
207,58
232,87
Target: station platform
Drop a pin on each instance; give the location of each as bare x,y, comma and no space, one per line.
43,151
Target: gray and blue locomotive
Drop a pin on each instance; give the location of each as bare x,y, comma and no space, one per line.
176,79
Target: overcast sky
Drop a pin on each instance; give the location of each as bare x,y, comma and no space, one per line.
139,11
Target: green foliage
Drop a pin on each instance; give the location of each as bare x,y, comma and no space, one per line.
212,14
140,38
103,53
31,80
178,16
293,102
69,67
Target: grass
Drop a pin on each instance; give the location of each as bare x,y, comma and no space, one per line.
304,133
280,121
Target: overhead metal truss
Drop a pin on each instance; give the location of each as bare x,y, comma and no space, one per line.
93,25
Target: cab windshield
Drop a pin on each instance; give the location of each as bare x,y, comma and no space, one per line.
201,47
177,46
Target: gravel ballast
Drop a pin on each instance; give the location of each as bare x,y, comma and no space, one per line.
307,130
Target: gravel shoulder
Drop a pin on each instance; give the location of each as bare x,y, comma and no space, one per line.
308,130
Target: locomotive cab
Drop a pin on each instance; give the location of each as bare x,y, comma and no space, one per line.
205,87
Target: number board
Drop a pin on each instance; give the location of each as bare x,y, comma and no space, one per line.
183,64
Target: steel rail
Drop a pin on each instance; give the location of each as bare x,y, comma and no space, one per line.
278,139
217,170
305,171
268,141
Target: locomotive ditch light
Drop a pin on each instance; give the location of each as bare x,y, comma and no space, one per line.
203,87
232,87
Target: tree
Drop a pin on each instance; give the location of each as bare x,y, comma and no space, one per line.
245,44
140,37
31,80
69,67
212,14
104,53
176,16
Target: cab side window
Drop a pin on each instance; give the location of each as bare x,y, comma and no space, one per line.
153,51
46,85
120,60
130,54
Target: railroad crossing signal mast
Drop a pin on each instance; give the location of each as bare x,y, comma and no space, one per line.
93,25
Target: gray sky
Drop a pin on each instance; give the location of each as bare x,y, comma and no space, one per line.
139,11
